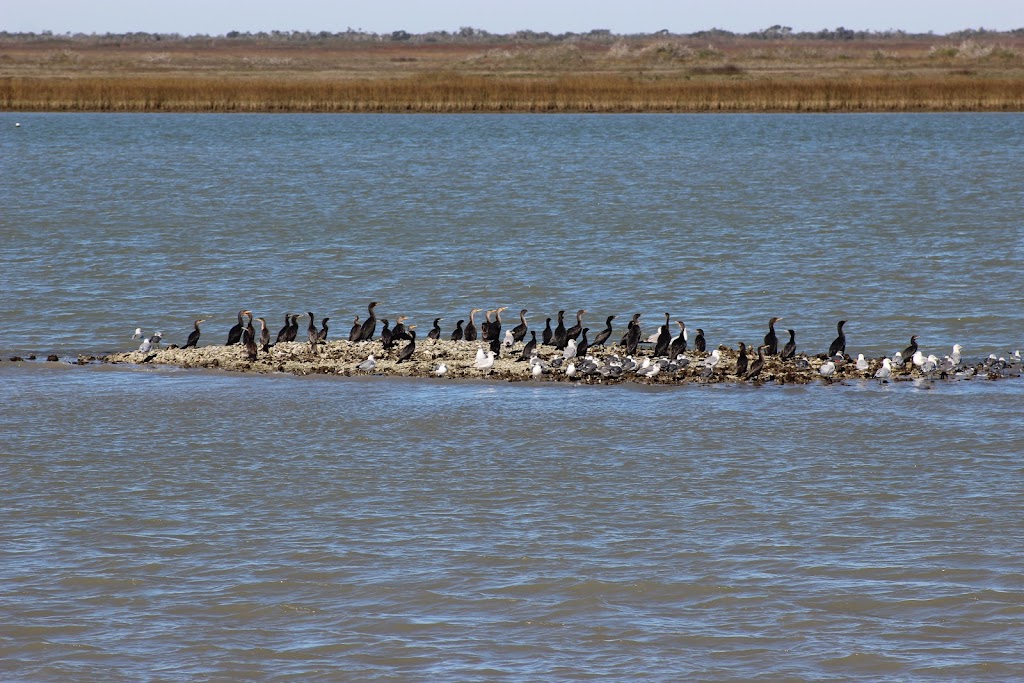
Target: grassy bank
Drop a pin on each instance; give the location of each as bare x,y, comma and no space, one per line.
456,93
645,74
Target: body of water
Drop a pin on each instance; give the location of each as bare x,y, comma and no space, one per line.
163,524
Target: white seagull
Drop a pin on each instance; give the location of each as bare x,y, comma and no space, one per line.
367,365
862,363
441,369
885,372
827,370
486,363
138,333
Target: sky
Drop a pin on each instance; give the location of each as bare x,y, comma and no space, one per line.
217,17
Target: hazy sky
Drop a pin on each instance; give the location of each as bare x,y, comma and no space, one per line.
216,17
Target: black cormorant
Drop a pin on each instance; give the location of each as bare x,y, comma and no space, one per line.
559,338
789,350
529,348
771,340
369,327
603,335
469,334
435,331
407,351
839,345
193,338
547,334
741,361
356,330
235,333
699,344
574,331
519,331
457,333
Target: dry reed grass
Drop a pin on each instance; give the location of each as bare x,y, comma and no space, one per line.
719,91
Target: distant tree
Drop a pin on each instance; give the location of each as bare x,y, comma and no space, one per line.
400,35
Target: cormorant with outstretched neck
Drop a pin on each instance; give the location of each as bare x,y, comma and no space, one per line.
699,344
633,336
457,333
356,330
529,348
757,365
839,345
559,338
583,346
283,334
193,338
235,333
312,333
264,335
494,329
519,331
407,351
249,333
789,350
678,344
293,329
741,361
485,326
574,331
771,340
469,334
369,327
909,352
664,339
547,334
603,335
435,331
322,334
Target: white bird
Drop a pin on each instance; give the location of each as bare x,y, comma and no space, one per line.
955,357
537,370
712,360
486,363
570,350
827,370
885,372
897,359
480,355
918,358
570,370
146,346
138,333
441,369
509,339
862,363
929,364
369,364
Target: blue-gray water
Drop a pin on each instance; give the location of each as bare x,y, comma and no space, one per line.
182,525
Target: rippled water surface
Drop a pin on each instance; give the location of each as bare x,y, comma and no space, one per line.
161,524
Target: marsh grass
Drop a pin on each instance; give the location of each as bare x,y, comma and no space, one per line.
703,89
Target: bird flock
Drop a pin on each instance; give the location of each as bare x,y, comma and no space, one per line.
567,350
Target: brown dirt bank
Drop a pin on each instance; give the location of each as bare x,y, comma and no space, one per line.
342,357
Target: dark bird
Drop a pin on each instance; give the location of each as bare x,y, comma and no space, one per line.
235,333
698,343
559,339
398,332
839,345
283,334
584,345
495,347
249,333
356,330
529,348
519,331
574,331
249,344
407,351
678,345
435,331
458,333
264,335
369,327
494,329
664,339
603,335
469,334
293,329
633,336
909,352
322,334
757,365
312,333
741,361
547,334
771,340
789,350
193,338
387,335
635,321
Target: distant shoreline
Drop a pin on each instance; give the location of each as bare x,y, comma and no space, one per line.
598,74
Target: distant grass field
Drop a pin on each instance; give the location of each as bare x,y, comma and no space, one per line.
640,75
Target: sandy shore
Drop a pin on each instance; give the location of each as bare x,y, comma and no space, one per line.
343,357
